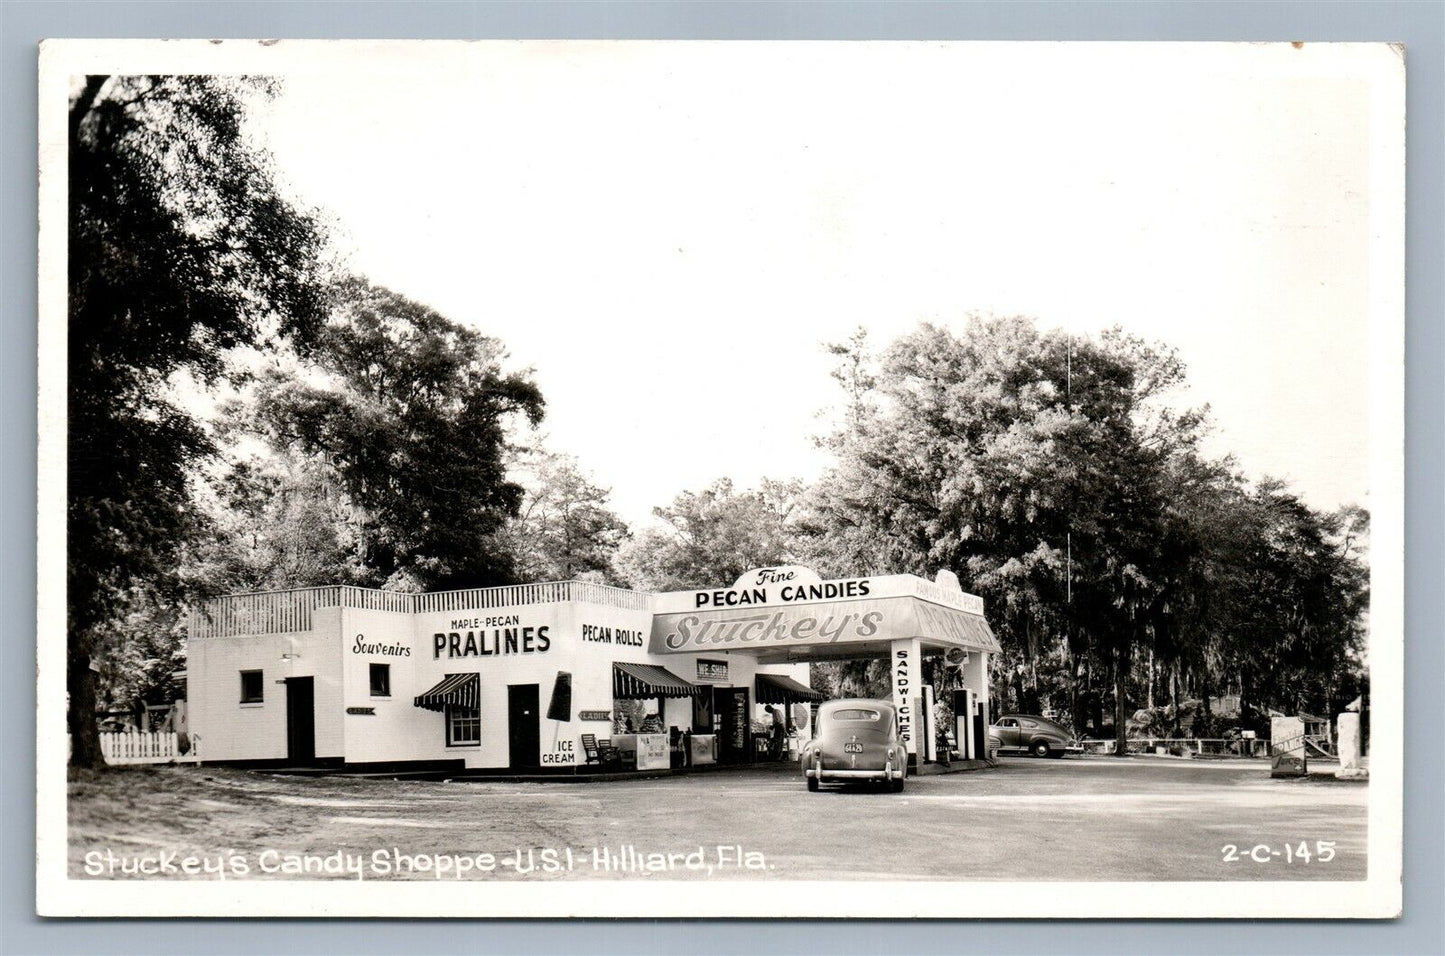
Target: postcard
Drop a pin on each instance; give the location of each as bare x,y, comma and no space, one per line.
720,479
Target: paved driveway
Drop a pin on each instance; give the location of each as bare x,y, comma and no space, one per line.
1072,819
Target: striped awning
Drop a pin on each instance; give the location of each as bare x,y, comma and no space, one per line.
782,689
646,681
456,690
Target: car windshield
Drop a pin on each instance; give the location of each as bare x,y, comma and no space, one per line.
855,713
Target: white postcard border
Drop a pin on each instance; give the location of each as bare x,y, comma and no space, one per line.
1379,896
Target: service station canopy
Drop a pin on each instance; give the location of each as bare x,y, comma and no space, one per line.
790,614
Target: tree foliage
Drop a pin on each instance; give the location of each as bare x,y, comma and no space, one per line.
279,520
407,412
711,537
1059,477
179,248
564,529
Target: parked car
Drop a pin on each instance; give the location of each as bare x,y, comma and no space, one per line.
856,740
1028,733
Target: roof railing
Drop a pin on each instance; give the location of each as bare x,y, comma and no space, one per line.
286,612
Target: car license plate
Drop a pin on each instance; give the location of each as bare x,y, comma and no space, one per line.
852,748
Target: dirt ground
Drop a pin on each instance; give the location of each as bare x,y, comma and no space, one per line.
1072,819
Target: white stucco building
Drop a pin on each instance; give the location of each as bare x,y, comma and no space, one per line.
531,677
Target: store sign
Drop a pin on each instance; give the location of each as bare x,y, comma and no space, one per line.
491,643
772,587
740,723
599,634
362,711
777,628
767,627
712,670
362,646
905,680
563,753
594,715
652,752
793,584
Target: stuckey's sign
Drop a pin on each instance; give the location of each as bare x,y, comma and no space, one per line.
768,609
721,630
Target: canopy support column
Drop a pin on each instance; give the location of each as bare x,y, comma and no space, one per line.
905,662
975,677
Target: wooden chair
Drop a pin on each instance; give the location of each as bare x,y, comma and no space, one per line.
590,749
607,753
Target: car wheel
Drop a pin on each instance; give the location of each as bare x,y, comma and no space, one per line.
897,785
1040,748
812,784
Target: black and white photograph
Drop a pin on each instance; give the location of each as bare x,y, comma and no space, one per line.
790,479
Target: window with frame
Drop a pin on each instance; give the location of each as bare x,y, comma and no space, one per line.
464,726
855,714
253,689
380,680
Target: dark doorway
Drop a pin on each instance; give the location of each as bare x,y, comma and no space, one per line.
523,725
702,714
300,721
735,729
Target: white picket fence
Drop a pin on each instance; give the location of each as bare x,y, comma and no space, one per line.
1201,746
134,748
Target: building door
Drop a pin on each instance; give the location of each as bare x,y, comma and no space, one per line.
702,713
523,726
300,721
735,732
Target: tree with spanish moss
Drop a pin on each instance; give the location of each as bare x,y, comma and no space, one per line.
1030,463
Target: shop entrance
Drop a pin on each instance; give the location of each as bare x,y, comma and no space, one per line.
523,725
300,721
733,713
702,722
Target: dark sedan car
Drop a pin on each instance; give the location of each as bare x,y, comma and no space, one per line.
1027,733
856,741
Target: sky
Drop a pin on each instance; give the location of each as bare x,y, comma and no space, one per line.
667,234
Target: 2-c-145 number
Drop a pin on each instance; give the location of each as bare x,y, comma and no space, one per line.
1323,852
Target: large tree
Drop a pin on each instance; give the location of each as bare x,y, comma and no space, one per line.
179,248
1031,463
1296,628
408,411
1060,477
